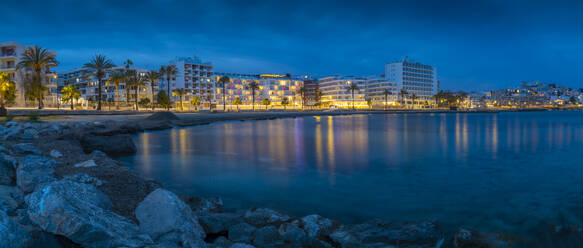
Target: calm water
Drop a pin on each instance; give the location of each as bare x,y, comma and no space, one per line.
494,172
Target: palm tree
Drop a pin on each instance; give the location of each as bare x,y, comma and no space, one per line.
387,92
195,100
136,81
414,98
209,98
128,63
223,81
153,77
39,60
266,102
302,92
5,84
403,93
180,93
70,93
116,78
99,66
168,71
284,102
351,88
237,102
253,86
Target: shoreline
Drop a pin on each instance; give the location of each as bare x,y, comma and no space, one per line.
84,151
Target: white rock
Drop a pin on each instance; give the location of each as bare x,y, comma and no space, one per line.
86,164
56,154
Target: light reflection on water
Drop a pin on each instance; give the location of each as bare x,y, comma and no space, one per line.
499,172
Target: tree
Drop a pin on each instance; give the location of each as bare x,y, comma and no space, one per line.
266,102
284,102
209,98
5,86
163,98
195,101
136,81
369,102
350,89
144,102
153,77
223,81
116,78
168,71
253,86
99,66
70,93
39,60
414,99
128,63
237,102
386,93
403,94
180,93
302,92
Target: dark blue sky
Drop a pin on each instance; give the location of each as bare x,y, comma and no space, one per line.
475,45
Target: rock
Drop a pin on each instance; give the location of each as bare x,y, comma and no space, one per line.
291,233
217,222
317,226
4,150
241,245
97,154
466,238
86,164
13,235
199,204
35,171
55,154
26,148
115,145
378,232
222,242
12,132
84,178
7,170
263,216
29,134
167,219
162,116
82,213
267,235
241,232
11,198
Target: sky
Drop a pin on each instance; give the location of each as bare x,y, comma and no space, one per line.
475,45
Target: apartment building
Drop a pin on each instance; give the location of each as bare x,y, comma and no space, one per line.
274,87
415,78
10,54
375,88
194,75
335,93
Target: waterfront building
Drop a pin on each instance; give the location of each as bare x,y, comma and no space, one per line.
335,93
194,75
10,54
274,87
375,91
312,91
416,78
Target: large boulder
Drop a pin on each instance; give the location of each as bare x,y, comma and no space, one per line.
84,178
213,223
11,198
162,116
35,171
26,149
7,170
263,216
267,236
81,213
241,232
378,232
13,235
291,233
168,220
467,238
201,205
317,226
115,145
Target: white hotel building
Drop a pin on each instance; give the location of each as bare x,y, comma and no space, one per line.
193,74
415,78
334,92
10,54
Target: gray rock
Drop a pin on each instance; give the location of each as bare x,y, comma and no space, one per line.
241,232
378,232
35,171
4,150
7,169
167,219
25,149
291,233
263,216
318,226
97,154
29,134
84,178
217,222
222,242
13,235
12,132
115,145
82,213
85,164
199,204
266,236
241,245
11,198
55,154
471,238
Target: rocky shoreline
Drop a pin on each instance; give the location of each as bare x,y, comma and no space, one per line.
59,187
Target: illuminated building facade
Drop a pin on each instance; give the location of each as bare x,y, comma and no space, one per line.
271,86
417,79
375,91
335,93
10,54
194,75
